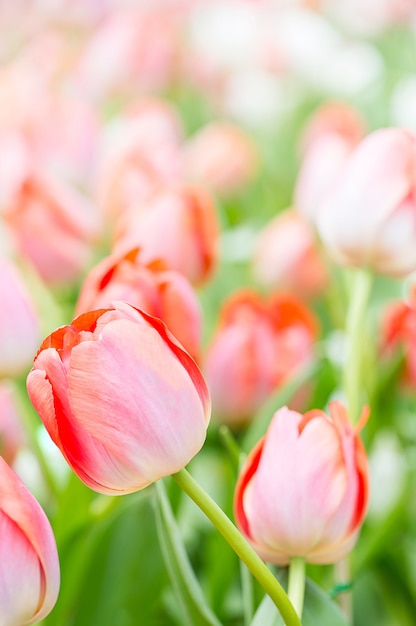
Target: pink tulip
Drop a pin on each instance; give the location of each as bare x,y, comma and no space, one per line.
303,490
286,256
369,220
19,322
221,156
178,226
151,287
328,139
54,226
258,345
29,566
120,397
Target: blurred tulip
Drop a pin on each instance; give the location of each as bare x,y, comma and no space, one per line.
258,345
29,566
221,156
120,397
399,332
12,433
54,226
369,220
163,293
19,323
180,227
303,490
330,135
286,257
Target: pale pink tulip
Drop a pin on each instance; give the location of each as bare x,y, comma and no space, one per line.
120,397
303,490
29,566
331,134
369,220
221,156
19,322
151,287
286,256
178,226
258,345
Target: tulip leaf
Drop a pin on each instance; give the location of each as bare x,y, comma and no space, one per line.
195,609
318,609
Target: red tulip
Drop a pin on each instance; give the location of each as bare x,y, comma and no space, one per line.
29,566
303,490
120,397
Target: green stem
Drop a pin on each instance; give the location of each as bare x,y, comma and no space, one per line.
296,583
240,546
355,327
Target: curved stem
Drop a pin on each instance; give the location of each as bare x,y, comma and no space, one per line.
240,546
355,324
296,583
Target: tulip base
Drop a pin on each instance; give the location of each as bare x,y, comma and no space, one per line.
240,546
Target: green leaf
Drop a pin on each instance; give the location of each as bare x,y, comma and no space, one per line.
195,608
318,608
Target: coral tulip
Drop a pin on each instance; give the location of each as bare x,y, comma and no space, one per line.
120,397
151,287
303,490
370,218
29,566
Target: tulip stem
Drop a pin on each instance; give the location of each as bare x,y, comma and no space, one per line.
355,325
240,546
296,583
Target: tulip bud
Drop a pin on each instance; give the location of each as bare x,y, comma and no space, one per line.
303,490
369,220
120,397
151,287
29,566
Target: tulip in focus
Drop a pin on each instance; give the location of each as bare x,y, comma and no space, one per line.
369,220
303,490
327,141
178,226
120,397
257,347
221,156
29,566
151,287
286,257
19,323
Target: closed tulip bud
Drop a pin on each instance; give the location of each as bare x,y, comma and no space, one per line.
151,287
120,397
29,566
369,220
303,490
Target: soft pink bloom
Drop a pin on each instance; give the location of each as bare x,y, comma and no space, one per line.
178,226
286,256
120,397
140,155
151,287
303,490
19,322
29,566
54,226
222,156
258,345
328,139
370,218
12,433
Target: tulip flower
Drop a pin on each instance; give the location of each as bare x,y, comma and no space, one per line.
369,220
19,323
303,490
29,566
151,287
399,330
120,397
258,345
